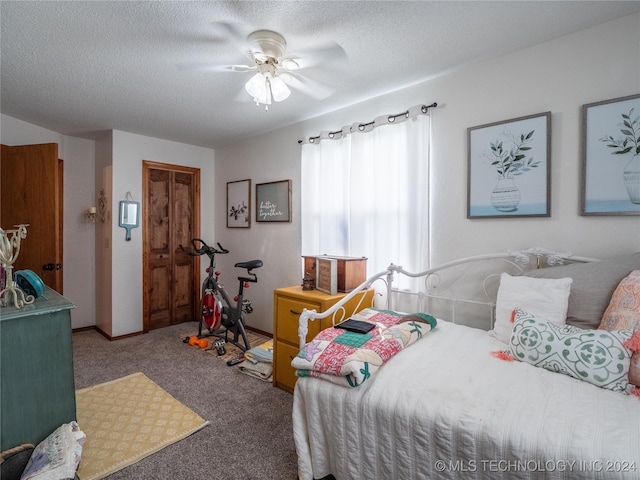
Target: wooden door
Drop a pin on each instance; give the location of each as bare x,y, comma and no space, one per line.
31,188
171,216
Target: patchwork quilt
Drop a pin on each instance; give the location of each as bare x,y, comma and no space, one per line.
350,358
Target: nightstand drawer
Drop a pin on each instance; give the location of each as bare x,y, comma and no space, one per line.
289,311
286,378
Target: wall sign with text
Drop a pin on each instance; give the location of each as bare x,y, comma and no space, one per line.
273,201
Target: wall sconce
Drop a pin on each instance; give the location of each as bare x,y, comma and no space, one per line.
102,206
91,215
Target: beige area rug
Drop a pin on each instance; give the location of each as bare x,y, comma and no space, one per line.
232,351
126,420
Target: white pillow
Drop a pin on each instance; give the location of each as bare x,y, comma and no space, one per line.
547,298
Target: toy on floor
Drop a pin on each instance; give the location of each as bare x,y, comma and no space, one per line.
194,341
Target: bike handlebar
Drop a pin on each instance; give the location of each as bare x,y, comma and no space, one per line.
204,248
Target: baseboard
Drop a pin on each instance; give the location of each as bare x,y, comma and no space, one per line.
119,337
105,334
258,331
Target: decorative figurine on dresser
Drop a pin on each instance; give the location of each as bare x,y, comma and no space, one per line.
9,251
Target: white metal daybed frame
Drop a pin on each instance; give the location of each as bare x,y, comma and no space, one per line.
446,408
517,259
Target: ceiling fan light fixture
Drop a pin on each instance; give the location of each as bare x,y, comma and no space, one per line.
265,88
279,89
259,87
273,72
256,86
267,42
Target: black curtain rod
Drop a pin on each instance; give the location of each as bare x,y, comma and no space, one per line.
363,126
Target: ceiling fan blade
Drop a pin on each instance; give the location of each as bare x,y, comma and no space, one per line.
239,68
311,57
307,86
234,33
208,67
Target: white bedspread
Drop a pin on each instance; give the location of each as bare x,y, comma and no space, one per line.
446,408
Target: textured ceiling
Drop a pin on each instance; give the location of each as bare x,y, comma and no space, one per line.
82,67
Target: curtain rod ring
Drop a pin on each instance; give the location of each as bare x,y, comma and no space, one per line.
363,126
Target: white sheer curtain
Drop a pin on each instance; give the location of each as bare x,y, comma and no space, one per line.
367,194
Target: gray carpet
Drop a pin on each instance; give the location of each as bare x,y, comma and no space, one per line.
250,434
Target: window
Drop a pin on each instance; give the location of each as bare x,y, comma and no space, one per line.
367,194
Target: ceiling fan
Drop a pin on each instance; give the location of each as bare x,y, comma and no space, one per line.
275,69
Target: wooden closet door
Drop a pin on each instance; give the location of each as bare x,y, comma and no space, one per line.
171,213
159,240
183,292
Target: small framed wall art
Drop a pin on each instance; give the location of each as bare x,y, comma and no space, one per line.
273,201
611,157
239,204
509,168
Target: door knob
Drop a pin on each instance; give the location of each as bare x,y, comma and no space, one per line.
51,266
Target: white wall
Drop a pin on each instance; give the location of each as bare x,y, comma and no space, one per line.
129,150
104,231
103,272
79,194
596,64
265,159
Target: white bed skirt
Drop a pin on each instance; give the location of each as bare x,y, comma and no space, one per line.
446,408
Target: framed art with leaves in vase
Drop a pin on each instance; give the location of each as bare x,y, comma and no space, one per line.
509,168
611,157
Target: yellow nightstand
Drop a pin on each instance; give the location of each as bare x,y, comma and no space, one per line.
288,304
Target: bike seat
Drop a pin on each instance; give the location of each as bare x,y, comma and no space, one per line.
250,265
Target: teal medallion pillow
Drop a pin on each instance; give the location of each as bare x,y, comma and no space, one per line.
595,356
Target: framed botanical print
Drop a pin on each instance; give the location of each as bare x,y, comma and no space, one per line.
509,168
611,157
239,204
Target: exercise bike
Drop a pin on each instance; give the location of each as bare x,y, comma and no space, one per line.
219,314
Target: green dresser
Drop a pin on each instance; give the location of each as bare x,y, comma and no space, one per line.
37,390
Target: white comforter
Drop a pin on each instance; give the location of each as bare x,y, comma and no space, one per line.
446,408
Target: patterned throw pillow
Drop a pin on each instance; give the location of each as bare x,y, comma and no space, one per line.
545,297
634,369
623,313
57,456
595,356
